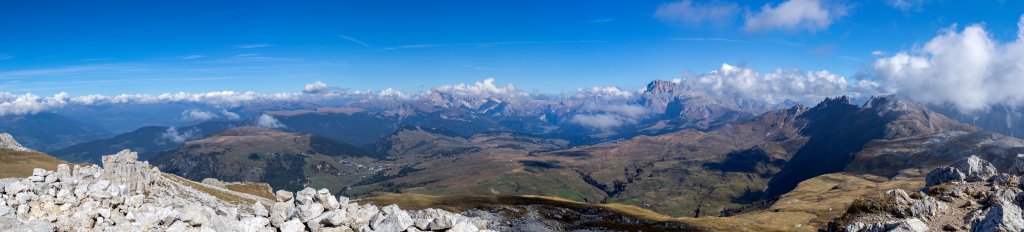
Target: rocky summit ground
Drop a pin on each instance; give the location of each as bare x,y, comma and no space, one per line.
970,195
128,195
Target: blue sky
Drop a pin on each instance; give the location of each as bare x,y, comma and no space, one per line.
113,47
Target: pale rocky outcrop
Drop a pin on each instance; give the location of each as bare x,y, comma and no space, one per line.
1002,216
128,195
969,195
971,169
908,225
7,142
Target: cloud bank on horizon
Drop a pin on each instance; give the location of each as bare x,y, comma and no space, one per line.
970,68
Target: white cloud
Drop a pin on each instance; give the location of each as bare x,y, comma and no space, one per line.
12,104
198,115
601,121
686,12
877,53
354,40
793,15
267,121
966,68
189,57
223,98
315,87
28,103
605,116
485,88
604,20
606,92
173,135
905,5
776,86
255,45
230,115
389,92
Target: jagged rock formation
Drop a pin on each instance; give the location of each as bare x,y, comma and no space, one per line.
7,142
968,195
128,195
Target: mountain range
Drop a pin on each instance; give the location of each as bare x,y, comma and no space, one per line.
666,149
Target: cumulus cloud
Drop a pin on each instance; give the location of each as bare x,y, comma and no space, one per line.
173,135
198,115
230,115
13,104
202,115
688,12
793,15
606,92
776,86
389,92
267,121
315,87
485,88
967,69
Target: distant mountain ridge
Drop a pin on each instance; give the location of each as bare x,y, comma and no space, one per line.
148,141
48,131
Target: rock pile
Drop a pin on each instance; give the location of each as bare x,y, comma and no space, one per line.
969,195
127,195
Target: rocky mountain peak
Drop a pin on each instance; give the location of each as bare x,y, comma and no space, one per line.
662,86
7,141
836,101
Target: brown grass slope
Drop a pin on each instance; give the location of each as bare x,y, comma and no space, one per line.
20,163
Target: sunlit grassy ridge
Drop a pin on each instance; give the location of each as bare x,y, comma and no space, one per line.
814,203
20,163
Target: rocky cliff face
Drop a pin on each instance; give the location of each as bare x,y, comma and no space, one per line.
128,195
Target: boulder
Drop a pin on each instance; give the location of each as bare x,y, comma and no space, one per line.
899,196
907,225
1018,165
1002,216
395,220
324,197
971,169
463,226
194,216
281,212
310,211
305,196
283,196
259,210
293,225
927,208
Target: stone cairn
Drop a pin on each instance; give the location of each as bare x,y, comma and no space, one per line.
128,195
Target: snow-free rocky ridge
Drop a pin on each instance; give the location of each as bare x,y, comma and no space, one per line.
7,142
128,195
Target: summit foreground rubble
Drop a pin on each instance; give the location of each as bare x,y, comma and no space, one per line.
969,195
128,195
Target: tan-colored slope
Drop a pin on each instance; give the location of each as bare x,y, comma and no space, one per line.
814,203
20,163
